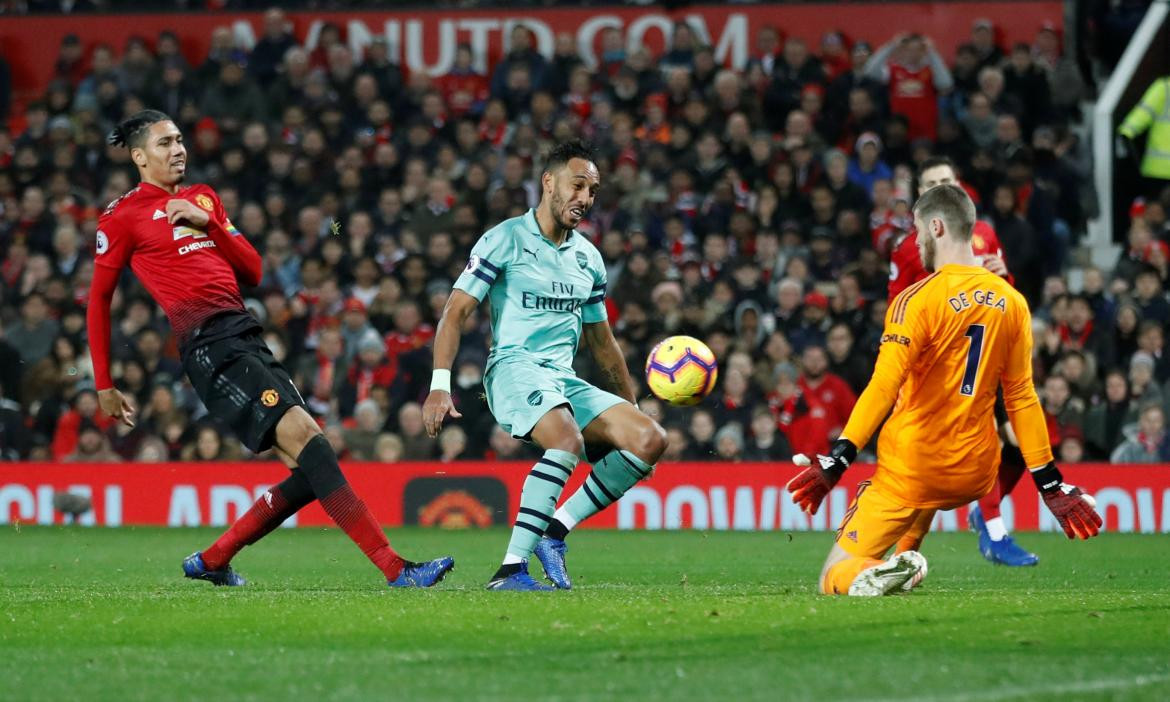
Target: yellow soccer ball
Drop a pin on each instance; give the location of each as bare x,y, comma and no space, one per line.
681,370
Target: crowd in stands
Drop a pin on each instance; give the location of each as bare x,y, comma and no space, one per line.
755,209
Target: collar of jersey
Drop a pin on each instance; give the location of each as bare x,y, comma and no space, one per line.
534,228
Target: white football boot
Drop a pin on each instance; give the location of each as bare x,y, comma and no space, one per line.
901,573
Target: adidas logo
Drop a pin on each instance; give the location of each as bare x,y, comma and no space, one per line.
852,536
159,214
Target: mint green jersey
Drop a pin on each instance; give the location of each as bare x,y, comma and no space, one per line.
540,294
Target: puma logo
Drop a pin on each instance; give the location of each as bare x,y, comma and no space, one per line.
531,252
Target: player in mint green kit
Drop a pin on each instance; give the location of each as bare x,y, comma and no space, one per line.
546,287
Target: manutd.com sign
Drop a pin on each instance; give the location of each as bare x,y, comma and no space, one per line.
739,496
426,40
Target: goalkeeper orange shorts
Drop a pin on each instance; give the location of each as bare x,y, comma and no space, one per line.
875,522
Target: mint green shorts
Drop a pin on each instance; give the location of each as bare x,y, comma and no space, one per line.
521,391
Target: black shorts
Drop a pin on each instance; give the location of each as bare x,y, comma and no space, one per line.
243,385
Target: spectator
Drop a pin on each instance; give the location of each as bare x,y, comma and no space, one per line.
370,368
92,447
916,76
987,51
521,53
270,50
1072,447
361,440
825,388
702,434
846,361
1105,420
1150,298
388,448
452,444
729,443
766,443
1061,409
33,335
417,446
233,100
1151,340
1028,82
1150,444
1142,388
209,445
796,68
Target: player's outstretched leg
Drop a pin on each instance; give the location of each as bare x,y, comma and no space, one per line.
638,442
277,504
297,434
995,543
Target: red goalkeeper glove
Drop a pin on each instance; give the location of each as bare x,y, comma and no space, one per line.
809,487
1068,503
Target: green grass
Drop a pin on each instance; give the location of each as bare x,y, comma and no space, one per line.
103,614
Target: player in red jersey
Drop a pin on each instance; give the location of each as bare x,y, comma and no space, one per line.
995,543
182,246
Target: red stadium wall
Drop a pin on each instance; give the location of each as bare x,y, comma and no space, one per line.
426,39
742,496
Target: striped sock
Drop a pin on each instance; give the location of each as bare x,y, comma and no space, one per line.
538,500
610,478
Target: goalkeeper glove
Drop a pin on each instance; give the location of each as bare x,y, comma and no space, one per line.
1068,503
809,487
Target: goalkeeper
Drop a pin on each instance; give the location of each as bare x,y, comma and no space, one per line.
950,340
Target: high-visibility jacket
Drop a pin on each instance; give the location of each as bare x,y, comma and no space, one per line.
1153,113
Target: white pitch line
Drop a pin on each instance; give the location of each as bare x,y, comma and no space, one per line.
1100,685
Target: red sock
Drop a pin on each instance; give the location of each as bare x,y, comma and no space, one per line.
351,514
989,503
269,512
1010,473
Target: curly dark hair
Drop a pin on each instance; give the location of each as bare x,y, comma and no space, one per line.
562,153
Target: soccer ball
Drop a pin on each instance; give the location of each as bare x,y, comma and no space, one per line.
681,370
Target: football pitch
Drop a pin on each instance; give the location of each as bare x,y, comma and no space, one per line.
104,614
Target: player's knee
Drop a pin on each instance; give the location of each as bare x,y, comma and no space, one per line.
572,442
651,442
295,430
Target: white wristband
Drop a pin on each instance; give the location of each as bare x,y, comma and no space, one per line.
441,380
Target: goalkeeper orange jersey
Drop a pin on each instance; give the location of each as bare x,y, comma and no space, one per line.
950,341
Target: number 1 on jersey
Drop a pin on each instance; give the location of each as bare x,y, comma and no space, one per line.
974,353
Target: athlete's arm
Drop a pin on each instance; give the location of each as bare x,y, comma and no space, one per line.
438,404
901,343
101,292
1020,399
230,242
1072,508
599,337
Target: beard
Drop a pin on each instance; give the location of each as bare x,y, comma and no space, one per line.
927,254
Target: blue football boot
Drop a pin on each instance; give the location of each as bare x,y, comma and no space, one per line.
551,554
1007,552
423,574
1003,552
519,581
196,569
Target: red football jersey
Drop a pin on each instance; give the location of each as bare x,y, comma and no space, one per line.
835,395
177,263
906,265
912,94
